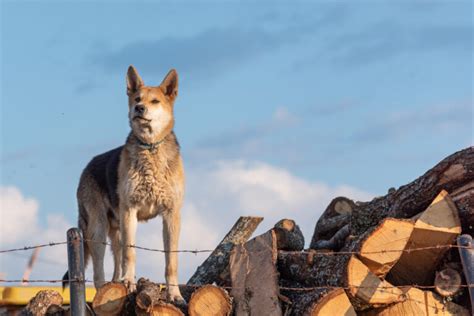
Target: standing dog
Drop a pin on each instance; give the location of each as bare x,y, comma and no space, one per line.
135,182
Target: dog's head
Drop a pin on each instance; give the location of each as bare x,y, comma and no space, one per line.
150,109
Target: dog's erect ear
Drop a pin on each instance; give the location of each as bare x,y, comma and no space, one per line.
170,84
134,81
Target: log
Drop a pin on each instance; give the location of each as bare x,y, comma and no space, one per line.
467,259
420,303
211,269
450,174
161,309
210,300
44,301
110,299
384,246
312,269
447,282
336,242
463,197
438,225
254,276
321,302
336,215
289,235
148,294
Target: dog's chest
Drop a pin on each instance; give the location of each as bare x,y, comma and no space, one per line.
148,185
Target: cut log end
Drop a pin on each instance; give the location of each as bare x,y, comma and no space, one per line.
110,299
335,302
447,282
289,235
383,247
162,309
210,300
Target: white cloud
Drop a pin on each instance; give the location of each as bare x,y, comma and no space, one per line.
216,196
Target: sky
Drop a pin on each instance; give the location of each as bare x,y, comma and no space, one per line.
281,108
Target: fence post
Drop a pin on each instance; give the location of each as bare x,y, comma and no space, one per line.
75,258
467,260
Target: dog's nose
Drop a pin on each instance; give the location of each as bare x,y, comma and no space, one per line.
140,109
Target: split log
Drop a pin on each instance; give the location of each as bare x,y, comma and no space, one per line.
289,235
447,282
210,300
336,216
321,302
254,276
384,246
312,269
450,174
161,309
420,303
438,225
212,268
45,301
110,299
148,294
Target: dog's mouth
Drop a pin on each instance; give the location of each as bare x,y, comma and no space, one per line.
141,119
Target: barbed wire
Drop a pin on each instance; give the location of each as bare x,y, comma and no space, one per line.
287,288
196,251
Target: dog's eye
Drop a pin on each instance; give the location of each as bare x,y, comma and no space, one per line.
137,99
155,101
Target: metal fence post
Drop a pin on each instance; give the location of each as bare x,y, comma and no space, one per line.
467,259
75,257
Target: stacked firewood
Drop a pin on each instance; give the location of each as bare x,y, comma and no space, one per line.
394,255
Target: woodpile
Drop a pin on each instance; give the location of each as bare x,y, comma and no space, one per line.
394,255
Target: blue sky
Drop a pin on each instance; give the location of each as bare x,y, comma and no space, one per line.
320,96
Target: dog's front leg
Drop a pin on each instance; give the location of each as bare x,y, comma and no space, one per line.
171,228
128,230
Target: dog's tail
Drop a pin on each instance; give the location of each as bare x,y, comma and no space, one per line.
83,227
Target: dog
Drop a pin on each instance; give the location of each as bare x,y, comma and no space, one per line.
134,183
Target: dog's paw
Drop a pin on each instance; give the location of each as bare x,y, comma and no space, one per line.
175,298
130,285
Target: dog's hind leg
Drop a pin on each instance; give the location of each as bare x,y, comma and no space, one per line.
96,238
171,228
114,235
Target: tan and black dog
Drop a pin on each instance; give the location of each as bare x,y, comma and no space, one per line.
136,182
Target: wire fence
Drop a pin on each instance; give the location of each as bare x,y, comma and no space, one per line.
197,251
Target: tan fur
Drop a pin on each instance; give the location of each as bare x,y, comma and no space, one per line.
149,182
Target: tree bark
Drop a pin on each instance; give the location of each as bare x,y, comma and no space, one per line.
450,174
289,235
212,268
44,301
148,294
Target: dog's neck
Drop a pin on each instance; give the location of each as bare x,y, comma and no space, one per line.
152,147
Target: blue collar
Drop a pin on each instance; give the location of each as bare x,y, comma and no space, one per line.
150,147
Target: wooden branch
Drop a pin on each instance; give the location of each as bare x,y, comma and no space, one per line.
44,301
215,264
110,299
450,174
336,242
463,197
148,294
289,235
438,225
254,276
467,259
447,282
336,215
210,300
